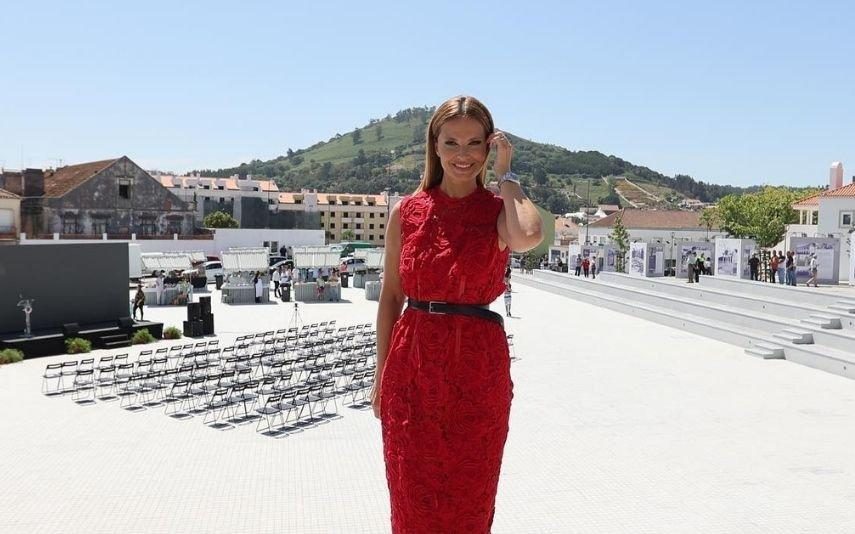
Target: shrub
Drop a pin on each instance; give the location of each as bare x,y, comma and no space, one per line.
76,345
10,356
141,337
172,332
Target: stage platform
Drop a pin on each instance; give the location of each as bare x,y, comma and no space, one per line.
52,342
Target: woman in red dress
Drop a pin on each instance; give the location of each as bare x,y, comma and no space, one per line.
442,388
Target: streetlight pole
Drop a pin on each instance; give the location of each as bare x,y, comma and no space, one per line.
587,208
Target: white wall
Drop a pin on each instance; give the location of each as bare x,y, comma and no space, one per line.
829,214
224,238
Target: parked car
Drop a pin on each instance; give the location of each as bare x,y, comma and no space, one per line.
515,263
275,259
350,265
212,269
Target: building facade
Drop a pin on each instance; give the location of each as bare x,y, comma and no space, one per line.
10,215
253,203
364,216
114,198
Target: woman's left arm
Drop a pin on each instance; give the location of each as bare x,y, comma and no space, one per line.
519,223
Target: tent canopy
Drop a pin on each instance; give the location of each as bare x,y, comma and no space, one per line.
245,259
158,261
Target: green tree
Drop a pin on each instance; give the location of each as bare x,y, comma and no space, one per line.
348,235
709,219
559,203
219,219
540,175
357,137
620,238
378,132
762,216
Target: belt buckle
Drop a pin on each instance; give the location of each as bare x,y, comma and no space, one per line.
431,310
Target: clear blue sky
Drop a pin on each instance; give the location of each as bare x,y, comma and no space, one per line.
728,92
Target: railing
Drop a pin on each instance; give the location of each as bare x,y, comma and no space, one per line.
120,237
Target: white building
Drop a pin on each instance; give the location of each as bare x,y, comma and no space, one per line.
224,193
665,227
830,213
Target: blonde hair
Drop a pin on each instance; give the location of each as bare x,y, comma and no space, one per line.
453,108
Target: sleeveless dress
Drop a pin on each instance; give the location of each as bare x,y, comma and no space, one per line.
446,388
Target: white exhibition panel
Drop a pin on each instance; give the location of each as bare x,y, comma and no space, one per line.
246,260
637,259
704,248
732,255
827,250
610,256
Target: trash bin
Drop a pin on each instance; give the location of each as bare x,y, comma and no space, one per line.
219,280
285,291
344,278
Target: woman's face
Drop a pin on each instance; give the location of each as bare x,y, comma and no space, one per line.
462,149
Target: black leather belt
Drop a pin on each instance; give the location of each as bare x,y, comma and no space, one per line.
472,310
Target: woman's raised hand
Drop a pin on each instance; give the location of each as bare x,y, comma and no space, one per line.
504,151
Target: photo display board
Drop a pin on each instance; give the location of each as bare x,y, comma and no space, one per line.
827,250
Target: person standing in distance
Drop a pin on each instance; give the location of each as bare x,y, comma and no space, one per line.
442,387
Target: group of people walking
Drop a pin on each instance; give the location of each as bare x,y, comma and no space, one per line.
784,268
586,265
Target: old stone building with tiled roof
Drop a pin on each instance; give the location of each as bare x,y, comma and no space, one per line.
114,197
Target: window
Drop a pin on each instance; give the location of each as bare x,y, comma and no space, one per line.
124,191
382,215
147,226
222,200
358,202
173,226
344,226
358,226
69,224
332,225
298,201
370,226
99,226
344,214
371,237
382,226
371,215
814,219
344,203
332,202
846,219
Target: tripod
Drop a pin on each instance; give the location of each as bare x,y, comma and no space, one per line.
296,321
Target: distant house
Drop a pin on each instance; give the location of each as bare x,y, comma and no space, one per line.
10,215
566,231
608,209
114,197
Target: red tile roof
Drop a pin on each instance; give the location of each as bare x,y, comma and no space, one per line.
658,219
847,190
64,179
812,201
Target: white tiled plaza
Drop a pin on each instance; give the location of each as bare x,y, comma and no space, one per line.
618,426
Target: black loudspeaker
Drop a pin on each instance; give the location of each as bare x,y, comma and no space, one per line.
125,323
208,324
70,329
193,328
205,303
194,311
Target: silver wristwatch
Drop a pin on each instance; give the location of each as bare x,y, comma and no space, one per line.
507,177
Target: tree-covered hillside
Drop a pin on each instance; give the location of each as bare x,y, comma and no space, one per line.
388,153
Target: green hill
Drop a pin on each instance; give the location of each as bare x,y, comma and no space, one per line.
389,153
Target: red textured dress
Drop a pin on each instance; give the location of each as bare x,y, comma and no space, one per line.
446,388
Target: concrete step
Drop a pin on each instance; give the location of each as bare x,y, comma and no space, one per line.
829,359
766,351
796,336
826,322
782,307
843,306
116,344
799,294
